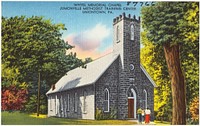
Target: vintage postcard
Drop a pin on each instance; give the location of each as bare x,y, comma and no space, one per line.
99,62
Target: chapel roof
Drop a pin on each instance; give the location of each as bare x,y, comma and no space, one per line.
79,76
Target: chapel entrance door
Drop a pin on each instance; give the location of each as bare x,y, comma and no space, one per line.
130,108
132,103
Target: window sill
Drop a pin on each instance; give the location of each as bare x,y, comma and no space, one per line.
106,111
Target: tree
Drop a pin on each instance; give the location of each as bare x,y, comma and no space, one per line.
164,24
190,51
152,58
31,104
34,45
9,76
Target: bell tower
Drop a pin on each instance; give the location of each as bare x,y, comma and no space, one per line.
126,39
126,42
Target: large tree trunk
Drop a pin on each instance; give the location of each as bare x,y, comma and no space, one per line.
177,84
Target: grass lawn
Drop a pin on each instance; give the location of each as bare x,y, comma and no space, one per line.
162,122
17,118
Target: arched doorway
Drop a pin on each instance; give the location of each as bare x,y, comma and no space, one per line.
132,103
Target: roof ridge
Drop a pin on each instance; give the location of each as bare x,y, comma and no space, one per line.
91,61
102,56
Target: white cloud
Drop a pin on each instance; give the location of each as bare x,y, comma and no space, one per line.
99,32
90,39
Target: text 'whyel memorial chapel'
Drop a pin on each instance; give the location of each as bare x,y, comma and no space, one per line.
116,82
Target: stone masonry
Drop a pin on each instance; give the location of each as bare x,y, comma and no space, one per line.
108,80
123,76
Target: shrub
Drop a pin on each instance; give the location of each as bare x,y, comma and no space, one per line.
100,115
113,114
13,97
31,105
194,111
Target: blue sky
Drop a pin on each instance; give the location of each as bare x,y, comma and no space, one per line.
91,34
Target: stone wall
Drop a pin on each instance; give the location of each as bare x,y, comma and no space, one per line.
110,81
147,85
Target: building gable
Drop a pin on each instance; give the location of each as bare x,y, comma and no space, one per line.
148,76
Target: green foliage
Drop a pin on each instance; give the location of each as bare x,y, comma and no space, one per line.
43,109
32,102
14,93
34,44
192,122
171,22
162,122
174,23
88,60
152,58
113,114
9,75
31,105
190,27
100,115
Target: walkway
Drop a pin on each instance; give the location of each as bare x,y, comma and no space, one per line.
151,123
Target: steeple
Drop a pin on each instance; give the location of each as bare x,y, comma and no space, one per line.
126,39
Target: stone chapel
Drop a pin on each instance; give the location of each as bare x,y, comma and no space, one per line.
115,82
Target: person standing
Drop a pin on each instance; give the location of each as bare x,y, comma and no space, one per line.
142,115
147,116
139,112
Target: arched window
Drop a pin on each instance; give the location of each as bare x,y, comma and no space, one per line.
61,103
132,32
130,94
56,104
75,102
84,101
50,97
117,33
106,100
145,98
68,102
